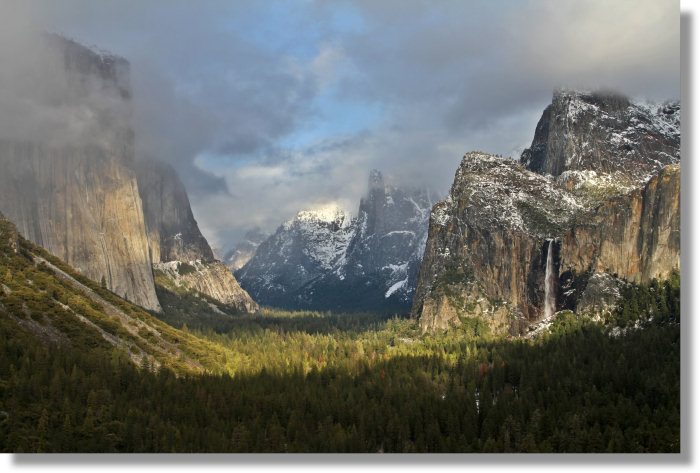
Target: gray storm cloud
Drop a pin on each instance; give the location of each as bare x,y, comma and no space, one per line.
220,88
45,98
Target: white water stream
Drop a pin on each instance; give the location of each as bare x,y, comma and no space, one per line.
549,303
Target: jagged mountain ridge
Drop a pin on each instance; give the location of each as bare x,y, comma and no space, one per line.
613,214
323,259
390,237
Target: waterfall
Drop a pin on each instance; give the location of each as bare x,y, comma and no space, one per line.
549,303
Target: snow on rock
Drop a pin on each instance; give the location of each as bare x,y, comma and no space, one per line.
601,175
395,287
329,213
502,192
606,133
212,278
324,256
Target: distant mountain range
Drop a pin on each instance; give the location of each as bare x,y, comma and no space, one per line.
593,203
324,259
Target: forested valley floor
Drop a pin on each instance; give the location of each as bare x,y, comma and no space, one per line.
310,382
82,370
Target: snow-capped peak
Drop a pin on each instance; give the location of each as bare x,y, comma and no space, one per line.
328,213
325,255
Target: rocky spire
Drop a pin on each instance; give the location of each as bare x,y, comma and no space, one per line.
604,132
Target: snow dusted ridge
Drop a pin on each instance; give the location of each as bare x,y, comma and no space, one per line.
601,176
622,142
325,233
329,213
325,259
502,193
300,252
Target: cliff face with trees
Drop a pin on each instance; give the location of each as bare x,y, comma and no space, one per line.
601,181
486,249
633,238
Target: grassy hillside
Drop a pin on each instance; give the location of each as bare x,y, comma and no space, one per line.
188,307
47,299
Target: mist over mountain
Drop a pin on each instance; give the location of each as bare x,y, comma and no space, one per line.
68,181
325,259
179,252
71,183
237,257
333,106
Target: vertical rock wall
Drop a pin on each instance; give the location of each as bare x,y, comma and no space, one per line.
173,232
635,237
76,194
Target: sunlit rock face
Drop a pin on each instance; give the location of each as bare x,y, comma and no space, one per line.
244,251
487,245
69,185
635,237
212,278
324,259
601,179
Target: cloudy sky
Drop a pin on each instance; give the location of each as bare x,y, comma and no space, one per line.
265,107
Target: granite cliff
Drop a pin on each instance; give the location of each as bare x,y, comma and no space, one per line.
587,134
173,233
597,194
213,279
486,251
76,194
634,238
73,186
178,248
